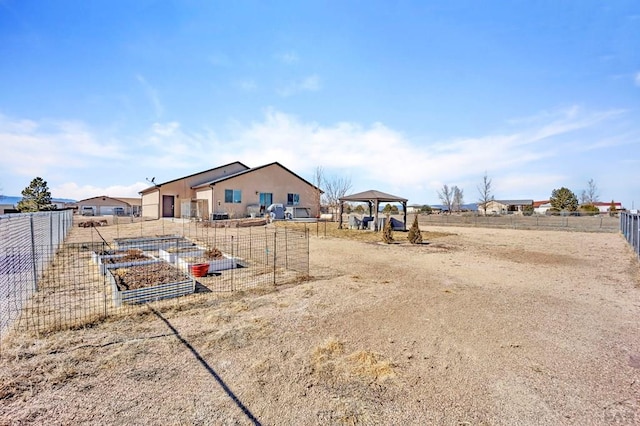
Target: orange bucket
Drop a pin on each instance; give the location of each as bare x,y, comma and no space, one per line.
200,269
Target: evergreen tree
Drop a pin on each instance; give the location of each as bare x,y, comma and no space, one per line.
415,237
35,197
563,199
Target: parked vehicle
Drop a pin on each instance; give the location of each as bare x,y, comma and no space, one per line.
87,211
118,211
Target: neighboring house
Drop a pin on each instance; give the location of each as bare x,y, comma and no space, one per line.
135,203
232,190
103,205
505,206
413,209
541,207
604,206
7,208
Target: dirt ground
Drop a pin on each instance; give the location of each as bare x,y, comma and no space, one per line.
476,326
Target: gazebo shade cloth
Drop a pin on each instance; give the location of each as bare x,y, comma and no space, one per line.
373,195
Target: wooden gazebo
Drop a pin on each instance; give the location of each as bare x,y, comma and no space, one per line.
373,198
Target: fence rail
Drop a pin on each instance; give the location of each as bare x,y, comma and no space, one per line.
630,228
80,283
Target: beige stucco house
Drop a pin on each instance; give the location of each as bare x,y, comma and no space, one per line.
505,206
233,190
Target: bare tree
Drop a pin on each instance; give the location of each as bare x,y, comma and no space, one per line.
485,192
590,195
458,198
335,188
446,196
317,180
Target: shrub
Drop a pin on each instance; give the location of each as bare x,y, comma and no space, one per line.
415,237
387,232
589,209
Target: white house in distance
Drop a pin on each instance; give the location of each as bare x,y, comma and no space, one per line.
232,190
104,205
541,207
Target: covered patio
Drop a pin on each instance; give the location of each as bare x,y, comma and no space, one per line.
373,198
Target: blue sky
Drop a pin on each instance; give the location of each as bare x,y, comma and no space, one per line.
402,97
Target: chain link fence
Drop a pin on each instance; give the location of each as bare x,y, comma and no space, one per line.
630,228
77,284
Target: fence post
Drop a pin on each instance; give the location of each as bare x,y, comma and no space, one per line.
33,254
232,269
637,221
275,244
306,235
50,232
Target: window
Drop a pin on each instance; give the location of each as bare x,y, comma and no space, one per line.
232,196
293,199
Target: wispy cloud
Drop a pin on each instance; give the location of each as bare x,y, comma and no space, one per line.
637,79
153,96
288,58
247,85
75,191
526,156
308,84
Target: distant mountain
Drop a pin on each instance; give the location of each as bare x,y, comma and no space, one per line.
469,207
10,199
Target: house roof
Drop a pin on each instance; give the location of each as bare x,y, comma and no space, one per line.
157,185
251,170
373,194
540,203
604,204
131,201
515,202
103,198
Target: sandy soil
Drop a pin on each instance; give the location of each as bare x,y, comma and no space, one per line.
484,326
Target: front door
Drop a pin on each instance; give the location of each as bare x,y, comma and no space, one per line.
167,205
266,199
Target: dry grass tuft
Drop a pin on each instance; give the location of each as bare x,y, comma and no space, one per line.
330,363
371,364
330,350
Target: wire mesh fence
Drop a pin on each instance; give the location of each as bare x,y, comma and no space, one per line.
80,283
28,242
598,223
630,228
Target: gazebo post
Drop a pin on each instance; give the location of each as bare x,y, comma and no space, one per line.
375,217
340,215
404,208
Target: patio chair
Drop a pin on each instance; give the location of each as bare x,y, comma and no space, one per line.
354,222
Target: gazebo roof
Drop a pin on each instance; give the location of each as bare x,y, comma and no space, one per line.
373,195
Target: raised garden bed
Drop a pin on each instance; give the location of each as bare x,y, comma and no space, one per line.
217,261
152,243
146,283
171,254
124,259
